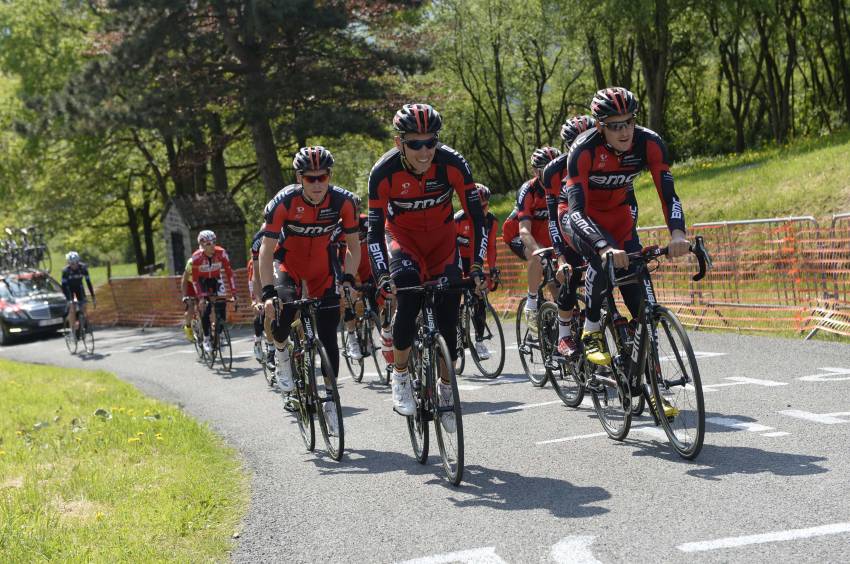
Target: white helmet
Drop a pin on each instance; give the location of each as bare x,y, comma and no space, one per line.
206,235
73,257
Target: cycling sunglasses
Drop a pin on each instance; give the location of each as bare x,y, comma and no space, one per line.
417,144
311,179
618,125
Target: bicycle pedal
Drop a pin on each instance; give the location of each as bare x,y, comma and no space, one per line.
524,349
551,364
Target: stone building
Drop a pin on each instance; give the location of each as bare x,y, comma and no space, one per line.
186,216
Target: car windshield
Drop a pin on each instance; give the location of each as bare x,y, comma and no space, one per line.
25,286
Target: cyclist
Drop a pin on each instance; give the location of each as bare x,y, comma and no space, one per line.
601,169
72,286
210,269
553,176
532,215
464,244
299,223
410,196
253,276
190,300
510,234
364,275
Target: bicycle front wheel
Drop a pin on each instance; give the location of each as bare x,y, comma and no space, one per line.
300,402
210,358
675,380
197,332
612,403
355,367
462,338
417,424
225,350
70,338
529,349
88,335
326,396
493,340
373,336
448,421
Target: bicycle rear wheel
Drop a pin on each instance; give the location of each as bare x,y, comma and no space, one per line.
462,338
70,338
529,349
225,350
355,367
417,424
493,339
197,332
675,379
328,406
210,358
448,421
611,403
300,402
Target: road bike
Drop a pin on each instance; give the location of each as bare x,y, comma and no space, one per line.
313,395
368,334
429,363
489,333
656,362
533,348
84,333
220,345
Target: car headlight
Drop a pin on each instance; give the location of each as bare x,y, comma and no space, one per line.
13,312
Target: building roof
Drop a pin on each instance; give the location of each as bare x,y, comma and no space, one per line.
210,208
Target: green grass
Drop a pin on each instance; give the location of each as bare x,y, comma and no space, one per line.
807,177
91,470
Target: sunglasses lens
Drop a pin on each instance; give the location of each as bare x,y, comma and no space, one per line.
417,145
313,179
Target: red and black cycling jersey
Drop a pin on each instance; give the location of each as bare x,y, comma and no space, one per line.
209,273
464,236
553,182
531,202
510,228
364,269
600,189
420,207
303,229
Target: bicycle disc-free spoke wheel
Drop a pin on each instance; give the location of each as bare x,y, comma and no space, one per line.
566,383
462,339
374,336
611,401
88,336
197,331
225,350
210,357
529,349
301,400
675,379
417,424
355,367
448,422
493,339
328,407
70,340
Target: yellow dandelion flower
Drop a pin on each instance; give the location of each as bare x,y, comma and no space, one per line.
78,439
99,516
134,440
140,434
130,411
2,452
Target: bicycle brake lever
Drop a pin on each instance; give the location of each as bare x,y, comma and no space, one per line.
703,258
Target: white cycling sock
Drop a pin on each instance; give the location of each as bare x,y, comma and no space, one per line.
563,327
531,303
591,326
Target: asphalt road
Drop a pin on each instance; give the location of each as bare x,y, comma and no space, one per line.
542,482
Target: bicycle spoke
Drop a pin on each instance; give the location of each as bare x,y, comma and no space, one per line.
328,407
448,421
493,340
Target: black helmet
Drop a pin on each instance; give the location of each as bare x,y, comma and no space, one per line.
417,118
574,127
613,101
312,158
483,192
543,156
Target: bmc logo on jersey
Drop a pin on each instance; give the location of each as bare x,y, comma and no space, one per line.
310,230
423,203
613,180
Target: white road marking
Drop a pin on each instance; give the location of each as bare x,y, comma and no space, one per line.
697,354
652,431
573,438
830,375
733,423
190,351
467,387
522,407
776,434
824,418
741,380
792,534
485,555
574,550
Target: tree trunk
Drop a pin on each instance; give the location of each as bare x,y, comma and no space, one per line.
217,164
837,7
147,229
133,226
653,47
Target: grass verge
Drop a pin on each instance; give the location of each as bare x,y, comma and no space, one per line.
91,470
